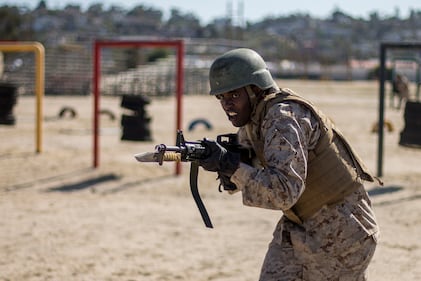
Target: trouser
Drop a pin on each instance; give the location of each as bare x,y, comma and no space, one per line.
291,257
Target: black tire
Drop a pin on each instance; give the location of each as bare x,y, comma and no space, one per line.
136,134
135,128
108,113
134,121
7,119
410,138
196,122
67,110
412,111
411,134
8,99
134,102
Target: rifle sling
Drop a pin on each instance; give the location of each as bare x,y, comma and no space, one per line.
194,170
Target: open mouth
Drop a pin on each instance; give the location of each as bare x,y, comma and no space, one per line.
232,115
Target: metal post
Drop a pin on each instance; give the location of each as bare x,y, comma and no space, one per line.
180,79
39,52
97,73
381,110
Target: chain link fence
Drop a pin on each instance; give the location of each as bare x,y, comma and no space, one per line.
69,70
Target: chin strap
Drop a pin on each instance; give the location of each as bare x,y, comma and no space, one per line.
252,95
194,171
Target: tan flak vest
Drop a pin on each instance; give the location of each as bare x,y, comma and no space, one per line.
330,178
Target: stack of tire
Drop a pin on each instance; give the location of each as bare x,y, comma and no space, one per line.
411,134
136,125
8,99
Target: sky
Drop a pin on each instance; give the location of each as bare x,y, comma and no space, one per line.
252,11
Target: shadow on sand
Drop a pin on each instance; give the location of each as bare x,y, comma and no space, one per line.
384,190
392,189
87,183
94,183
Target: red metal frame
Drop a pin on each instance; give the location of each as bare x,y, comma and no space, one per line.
177,44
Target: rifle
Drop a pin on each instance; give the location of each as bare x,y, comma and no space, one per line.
188,151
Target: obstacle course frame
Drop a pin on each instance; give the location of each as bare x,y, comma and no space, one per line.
384,47
39,51
98,45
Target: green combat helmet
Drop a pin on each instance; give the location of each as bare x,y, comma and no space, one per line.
239,68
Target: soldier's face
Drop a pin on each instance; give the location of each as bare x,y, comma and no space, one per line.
236,105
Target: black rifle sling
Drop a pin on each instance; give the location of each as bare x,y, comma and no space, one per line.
194,170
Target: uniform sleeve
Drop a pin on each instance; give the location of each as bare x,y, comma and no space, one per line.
289,130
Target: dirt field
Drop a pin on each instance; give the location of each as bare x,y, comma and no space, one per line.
61,219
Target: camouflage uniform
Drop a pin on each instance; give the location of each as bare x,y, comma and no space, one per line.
337,242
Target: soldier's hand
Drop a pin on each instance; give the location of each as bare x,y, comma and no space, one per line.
226,183
219,159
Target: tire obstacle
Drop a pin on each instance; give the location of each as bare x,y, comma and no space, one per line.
411,134
200,121
136,126
8,99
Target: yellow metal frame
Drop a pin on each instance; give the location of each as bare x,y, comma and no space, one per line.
39,51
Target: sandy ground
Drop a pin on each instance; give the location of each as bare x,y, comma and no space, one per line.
61,219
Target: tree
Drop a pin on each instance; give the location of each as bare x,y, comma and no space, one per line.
41,5
10,23
95,9
180,24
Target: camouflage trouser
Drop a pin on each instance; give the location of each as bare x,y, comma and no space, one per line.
293,256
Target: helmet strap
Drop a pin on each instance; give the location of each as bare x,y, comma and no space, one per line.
252,95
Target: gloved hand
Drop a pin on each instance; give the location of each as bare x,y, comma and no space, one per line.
225,183
219,159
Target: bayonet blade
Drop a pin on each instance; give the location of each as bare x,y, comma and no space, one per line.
146,157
